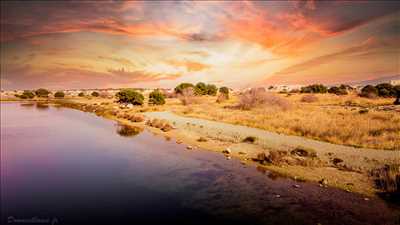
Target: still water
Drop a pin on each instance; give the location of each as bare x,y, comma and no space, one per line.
62,166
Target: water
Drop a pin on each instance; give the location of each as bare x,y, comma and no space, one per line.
62,166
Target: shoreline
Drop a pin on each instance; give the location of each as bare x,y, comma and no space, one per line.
350,181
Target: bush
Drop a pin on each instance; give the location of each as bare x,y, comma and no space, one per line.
179,89
156,98
128,131
81,94
212,89
385,90
314,88
397,90
224,90
27,94
259,97
187,96
95,94
338,90
41,92
249,139
309,98
130,96
200,88
369,91
59,94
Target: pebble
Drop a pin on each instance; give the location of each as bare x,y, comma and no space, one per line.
366,199
277,196
296,186
228,158
189,147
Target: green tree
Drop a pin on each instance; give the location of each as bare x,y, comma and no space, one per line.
212,89
41,92
27,94
81,94
200,88
385,90
130,96
397,91
156,98
369,91
224,90
338,90
95,94
314,88
59,94
179,89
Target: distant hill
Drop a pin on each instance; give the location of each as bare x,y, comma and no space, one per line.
375,81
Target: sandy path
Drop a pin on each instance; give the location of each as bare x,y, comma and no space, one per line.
362,158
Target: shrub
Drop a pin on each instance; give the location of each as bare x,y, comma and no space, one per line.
81,94
136,118
224,91
259,97
59,94
128,131
41,92
309,98
27,94
385,90
179,89
314,88
202,139
95,94
212,89
387,178
369,91
200,88
249,139
397,90
156,98
187,96
338,90
130,96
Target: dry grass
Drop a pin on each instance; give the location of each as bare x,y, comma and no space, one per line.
258,97
387,178
329,120
163,125
309,98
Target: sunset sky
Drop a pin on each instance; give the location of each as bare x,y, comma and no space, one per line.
103,44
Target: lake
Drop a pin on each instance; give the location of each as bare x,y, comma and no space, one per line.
63,166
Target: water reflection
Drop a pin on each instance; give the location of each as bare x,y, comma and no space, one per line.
42,106
128,131
27,104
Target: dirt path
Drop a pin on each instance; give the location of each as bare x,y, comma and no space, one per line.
357,158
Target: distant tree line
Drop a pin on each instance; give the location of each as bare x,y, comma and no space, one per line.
199,89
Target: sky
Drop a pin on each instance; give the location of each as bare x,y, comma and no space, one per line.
113,44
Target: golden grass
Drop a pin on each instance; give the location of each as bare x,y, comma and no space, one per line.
330,119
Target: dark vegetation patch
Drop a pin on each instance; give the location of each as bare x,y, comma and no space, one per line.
249,139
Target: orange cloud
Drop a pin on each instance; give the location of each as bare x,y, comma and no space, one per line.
190,66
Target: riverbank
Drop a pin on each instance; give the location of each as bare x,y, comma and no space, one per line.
343,167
